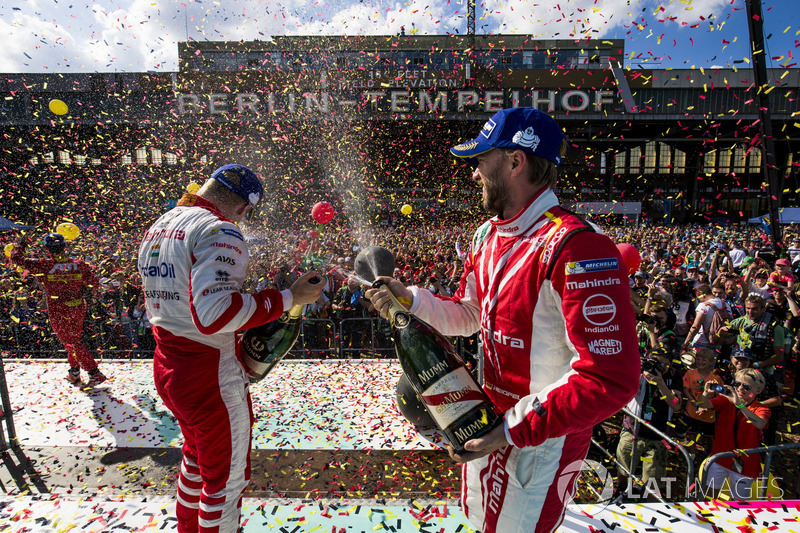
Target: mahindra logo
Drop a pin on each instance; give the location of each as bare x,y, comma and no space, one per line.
500,338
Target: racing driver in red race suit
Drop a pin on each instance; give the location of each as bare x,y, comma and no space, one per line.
65,281
193,262
549,294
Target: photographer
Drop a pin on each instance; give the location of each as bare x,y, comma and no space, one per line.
660,323
684,308
657,401
740,420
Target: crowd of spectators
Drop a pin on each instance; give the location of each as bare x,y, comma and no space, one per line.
711,301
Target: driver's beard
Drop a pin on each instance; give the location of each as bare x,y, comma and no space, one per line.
497,194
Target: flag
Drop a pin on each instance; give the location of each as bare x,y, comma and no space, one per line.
766,225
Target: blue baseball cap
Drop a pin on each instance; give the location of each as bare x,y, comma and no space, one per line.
519,128
249,185
741,351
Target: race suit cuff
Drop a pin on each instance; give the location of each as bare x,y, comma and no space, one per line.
415,302
507,432
288,299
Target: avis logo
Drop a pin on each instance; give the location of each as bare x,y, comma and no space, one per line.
225,259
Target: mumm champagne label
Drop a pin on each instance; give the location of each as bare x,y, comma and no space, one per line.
451,397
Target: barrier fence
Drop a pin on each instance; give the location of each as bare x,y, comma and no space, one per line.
320,338
769,451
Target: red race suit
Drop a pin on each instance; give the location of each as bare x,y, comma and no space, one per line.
549,294
64,280
193,263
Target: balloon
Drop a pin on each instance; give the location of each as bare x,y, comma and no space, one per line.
406,209
8,248
631,257
313,234
58,107
322,212
192,188
69,230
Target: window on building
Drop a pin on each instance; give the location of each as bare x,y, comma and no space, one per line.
739,159
724,160
621,162
650,157
665,158
710,162
754,161
679,162
635,163
527,59
141,156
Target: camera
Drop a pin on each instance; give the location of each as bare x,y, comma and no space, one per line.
652,365
648,319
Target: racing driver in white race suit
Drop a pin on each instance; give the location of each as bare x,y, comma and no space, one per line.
549,294
193,262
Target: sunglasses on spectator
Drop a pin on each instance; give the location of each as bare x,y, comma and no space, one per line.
745,386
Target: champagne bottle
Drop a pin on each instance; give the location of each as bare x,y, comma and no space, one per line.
265,345
454,399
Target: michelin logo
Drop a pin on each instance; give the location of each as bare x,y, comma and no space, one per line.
592,265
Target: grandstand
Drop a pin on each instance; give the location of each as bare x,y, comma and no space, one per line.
374,115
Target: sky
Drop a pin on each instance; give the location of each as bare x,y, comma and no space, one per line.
142,35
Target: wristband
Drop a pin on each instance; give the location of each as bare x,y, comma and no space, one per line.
739,406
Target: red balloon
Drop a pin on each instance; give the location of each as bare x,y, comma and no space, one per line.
313,234
322,212
631,256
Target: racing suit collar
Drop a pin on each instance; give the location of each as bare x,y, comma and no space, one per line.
193,200
530,214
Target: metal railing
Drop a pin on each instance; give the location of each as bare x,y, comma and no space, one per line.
320,338
635,457
352,337
8,434
767,450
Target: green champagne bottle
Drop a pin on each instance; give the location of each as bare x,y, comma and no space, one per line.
265,345
454,399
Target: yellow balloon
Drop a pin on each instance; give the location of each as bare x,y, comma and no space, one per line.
58,107
8,248
406,209
192,188
69,230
